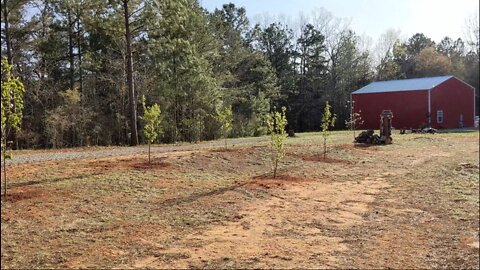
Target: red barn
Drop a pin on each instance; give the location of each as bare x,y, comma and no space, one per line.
441,102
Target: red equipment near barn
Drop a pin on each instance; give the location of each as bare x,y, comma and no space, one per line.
438,102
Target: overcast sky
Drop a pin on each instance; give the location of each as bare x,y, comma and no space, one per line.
434,18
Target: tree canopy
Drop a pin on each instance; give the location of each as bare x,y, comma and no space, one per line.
86,63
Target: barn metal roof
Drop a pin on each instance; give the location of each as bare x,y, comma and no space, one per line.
402,85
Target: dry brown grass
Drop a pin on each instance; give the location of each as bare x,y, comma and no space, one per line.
413,204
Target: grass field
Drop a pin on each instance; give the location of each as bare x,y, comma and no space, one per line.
412,204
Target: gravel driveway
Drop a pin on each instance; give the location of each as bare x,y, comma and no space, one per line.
70,155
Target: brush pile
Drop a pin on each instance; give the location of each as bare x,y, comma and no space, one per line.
368,137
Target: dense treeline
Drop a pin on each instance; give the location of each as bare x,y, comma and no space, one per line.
86,63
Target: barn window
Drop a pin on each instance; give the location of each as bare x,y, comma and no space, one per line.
439,117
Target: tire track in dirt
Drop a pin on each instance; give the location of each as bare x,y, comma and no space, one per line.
410,227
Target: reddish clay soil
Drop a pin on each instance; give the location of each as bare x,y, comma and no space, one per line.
138,163
223,209
360,147
318,158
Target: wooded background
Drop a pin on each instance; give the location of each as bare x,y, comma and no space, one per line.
86,63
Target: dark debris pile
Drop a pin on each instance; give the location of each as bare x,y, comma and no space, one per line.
368,137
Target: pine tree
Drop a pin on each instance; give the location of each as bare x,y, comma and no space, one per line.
184,70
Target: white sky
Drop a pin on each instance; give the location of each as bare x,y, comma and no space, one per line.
435,18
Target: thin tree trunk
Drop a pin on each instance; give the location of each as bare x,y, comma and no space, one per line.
70,48
149,161
4,175
324,148
175,115
275,169
79,46
193,127
123,97
8,40
131,90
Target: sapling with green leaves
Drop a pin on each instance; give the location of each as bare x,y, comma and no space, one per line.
225,117
152,123
328,120
11,112
276,123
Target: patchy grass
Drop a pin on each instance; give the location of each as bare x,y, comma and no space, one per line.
412,204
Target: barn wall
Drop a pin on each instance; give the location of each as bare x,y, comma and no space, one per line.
455,98
410,108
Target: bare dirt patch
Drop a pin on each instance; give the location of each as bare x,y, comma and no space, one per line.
32,194
360,147
231,149
136,163
409,205
23,194
281,178
317,158
281,232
